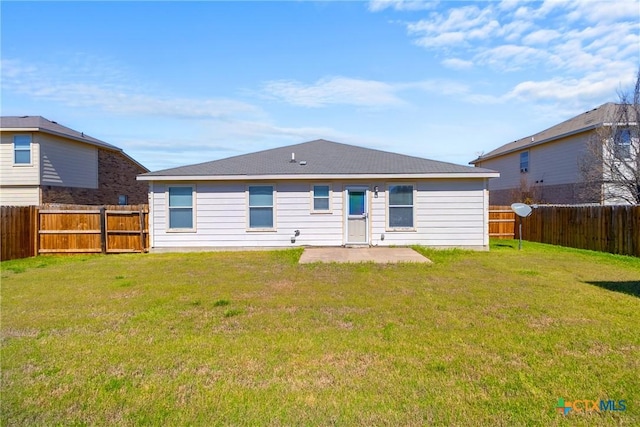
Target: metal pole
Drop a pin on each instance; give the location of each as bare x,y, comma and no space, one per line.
520,234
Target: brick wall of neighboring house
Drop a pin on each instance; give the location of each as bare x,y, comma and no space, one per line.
552,194
116,176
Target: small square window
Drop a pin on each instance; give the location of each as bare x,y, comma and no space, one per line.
321,198
123,199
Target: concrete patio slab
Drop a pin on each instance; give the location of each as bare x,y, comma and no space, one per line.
377,255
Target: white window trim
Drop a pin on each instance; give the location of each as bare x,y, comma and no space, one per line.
273,206
193,209
13,153
387,206
312,199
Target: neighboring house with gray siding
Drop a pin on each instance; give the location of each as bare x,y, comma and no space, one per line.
319,193
545,167
42,161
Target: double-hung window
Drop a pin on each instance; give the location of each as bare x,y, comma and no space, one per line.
22,149
261,207
400,206
524,162
321,198
181,208
622,142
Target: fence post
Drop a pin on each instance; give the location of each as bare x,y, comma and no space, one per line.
103,229
35,229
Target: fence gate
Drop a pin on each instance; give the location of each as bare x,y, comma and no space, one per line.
502,222
113,229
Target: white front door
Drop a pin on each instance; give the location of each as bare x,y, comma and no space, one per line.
357,216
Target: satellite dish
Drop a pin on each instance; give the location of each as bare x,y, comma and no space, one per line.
521,209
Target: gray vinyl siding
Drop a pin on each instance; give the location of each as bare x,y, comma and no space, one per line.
67,163
448,213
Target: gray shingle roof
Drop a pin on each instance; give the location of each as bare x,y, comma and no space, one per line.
39,123
44,125
322,158
581,123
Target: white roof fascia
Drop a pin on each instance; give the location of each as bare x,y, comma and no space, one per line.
315,177
19,129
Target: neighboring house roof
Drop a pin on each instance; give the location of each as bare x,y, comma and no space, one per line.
318,159
581,123
40,124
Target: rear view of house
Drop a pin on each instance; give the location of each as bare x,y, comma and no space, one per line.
42,161
319,193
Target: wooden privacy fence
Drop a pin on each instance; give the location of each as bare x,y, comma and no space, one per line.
18,238
501,222
55,229
614,229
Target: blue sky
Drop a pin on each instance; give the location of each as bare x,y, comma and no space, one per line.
176,83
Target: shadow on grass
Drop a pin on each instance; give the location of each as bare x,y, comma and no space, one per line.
631,287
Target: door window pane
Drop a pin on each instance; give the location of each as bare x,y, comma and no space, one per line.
356,202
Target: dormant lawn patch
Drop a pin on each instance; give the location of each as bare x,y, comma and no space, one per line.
254,338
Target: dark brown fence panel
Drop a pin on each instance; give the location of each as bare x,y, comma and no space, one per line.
614,229
18,233
501,222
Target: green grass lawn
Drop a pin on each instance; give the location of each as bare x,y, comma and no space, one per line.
253,338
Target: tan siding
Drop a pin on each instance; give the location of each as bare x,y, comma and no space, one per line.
67,163
557,162
11,174
509,168
19,196
550,164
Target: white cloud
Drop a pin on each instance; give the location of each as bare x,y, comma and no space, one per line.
540,37
584,57
111,92
457,27
401,5
599,12
511,57
334,90
457,63
437,86
563,89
